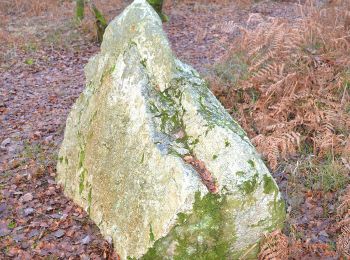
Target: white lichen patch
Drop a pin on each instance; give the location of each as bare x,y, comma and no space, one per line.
122,157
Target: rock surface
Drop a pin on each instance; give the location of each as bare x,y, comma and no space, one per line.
155,159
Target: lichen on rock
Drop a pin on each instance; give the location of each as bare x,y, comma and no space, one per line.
154,158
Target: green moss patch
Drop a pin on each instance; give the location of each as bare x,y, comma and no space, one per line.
277,210
251,185
81,181
269,185
89,200
241,173
151,235
200,234
251,163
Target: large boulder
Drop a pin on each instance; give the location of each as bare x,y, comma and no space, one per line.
154,158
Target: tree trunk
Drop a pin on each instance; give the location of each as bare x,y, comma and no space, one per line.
158,6
100,22
79,9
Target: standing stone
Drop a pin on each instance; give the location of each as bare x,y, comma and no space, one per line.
154,158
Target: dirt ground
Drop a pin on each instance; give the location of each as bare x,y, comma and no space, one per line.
41,75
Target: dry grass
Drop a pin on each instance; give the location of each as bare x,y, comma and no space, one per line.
28,26
202,5
30,23
289,84
28,8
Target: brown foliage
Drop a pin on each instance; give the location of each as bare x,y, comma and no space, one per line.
274,246
289,84
277,246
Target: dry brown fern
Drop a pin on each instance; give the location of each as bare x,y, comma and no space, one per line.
294,89
274,247
343,212
275,147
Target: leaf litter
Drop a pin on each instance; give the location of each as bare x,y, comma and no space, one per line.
39,84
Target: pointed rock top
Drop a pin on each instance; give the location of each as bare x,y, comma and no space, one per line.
140,25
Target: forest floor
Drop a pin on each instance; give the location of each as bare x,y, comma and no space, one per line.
42,56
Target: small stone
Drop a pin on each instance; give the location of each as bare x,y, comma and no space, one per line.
27,197
18,237
28,211
37,134
24,245
59,233
14,148
314,238
4,232
324,239
33,233
109,240
86,240
16,135
51,181
18,228
3,207
323,233
48,139
318,211
331,208
5,143
85,257
180,134
56,216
